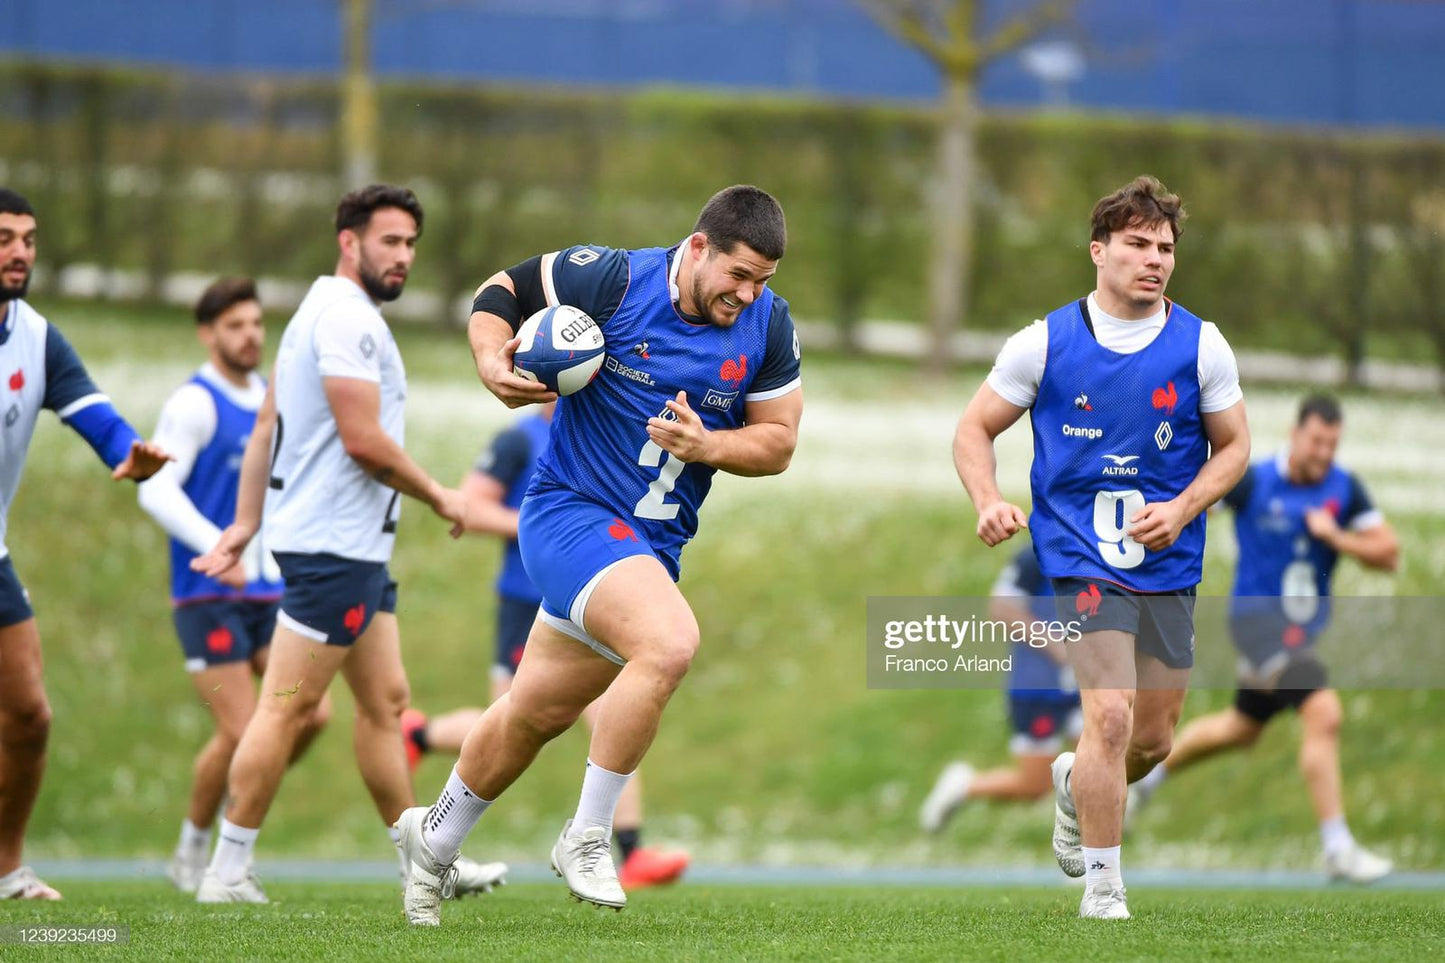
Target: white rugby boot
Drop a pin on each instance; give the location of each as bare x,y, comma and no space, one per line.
1068,849
187,866
475,877
584,861
24,884
428,880
947,795
1357,864
212,890
1105,900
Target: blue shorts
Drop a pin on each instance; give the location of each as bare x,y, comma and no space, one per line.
566,541
1162,623
14,600
514,624
217,633
332,599
1041,723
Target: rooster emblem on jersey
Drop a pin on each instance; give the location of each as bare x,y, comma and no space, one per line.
1166,398
734,371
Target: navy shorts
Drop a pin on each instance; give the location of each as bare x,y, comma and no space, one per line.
217,633
1162,623
566,540
332,599
514,624
1041,723
1302,677
14,600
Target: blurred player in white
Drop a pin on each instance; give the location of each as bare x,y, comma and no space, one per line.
224,623
327,456
1295,514
1139,427
1043,702
38,370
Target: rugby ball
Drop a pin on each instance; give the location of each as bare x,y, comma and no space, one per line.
562,347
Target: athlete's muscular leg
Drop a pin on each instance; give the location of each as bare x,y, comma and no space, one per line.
638,612
378,681
320,716
1319,752
1157,704
557,678
1028,779
297,676
231,696
1103,664
24,730
1211,734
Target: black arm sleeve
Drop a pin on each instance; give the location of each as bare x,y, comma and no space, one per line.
527,279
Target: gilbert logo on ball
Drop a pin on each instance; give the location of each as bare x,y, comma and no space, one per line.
562,347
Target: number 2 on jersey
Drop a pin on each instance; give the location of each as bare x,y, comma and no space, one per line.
652,504
1112,511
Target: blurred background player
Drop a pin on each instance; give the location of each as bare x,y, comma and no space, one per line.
494,490
329,435
224,623
1139,426
38,369
1043,703
703,375
1294,514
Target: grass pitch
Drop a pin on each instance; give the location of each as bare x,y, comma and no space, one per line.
309,921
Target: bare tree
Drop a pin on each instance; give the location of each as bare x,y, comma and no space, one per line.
946,31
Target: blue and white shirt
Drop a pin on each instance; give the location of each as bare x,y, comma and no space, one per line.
39,369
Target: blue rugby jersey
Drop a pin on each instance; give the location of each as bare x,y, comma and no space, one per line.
512,460
1112,433
211,486
599,445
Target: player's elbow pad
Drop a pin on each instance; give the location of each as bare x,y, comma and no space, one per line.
104,430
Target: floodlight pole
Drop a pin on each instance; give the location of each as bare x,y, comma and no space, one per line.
358,96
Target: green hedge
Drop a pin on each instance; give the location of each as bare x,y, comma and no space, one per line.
1301,240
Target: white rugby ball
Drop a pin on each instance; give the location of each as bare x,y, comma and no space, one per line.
562,347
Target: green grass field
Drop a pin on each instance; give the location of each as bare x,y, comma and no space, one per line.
357,921
774,750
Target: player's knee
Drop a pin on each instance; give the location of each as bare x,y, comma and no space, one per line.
671,656
1152,748
384,706
1111,724
1322,715
26,722
319,717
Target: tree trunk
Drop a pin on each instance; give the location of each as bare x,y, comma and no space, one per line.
358,98
948,270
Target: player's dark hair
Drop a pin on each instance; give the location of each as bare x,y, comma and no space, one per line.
744,214
1323,407
221,295
1141,201
355,210
13,203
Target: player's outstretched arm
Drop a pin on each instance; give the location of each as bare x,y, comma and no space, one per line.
1377,547
762,446
487,511
987,416
144,459
356,405
494,342
1157,525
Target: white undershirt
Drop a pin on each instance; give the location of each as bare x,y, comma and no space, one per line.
1020,365
187,423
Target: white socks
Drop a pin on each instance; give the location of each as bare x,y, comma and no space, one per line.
233,852
1335,835
1102,865
601,789
193,837
451,817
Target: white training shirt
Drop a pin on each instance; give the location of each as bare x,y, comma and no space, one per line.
325,502
1020,365
187,424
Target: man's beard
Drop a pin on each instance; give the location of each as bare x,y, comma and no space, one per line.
16,292
376,286
236,363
